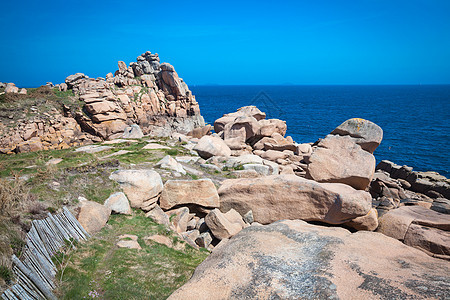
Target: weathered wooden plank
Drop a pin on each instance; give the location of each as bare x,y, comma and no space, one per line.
32,267
36,241
48,243
71,228
59,218
42,267
75,222
37,271
21,292
31,249
39,284
29,286
15,292
65,226
60,231
57,235
10,295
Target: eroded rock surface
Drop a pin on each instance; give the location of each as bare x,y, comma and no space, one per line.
274,198
296,260
340,159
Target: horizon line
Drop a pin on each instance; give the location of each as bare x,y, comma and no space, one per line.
324,84
299,84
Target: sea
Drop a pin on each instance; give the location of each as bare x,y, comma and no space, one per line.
415,118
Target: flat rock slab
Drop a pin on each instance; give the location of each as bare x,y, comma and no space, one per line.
120,152
187,159
128,241
419,227
93,148
53,161
119,141
297,260
155,146
164,240
197,192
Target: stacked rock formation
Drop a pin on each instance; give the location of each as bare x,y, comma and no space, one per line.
146,93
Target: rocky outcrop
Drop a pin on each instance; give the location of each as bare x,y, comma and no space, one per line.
42,132
248,132
429,183
296,260
274,198
145,93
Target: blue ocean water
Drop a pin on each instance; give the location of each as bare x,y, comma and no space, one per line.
415,118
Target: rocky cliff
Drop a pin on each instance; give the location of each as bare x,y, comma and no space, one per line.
146,92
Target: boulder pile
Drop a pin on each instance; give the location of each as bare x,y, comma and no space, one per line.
187,207
334,180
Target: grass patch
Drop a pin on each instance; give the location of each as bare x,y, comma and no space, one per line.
20,106
172,152
101,269
5,273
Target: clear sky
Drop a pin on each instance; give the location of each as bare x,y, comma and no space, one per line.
230,42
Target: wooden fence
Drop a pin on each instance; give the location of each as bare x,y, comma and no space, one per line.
36,272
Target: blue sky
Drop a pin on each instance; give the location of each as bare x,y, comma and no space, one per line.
232,42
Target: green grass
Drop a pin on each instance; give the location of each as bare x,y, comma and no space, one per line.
98,265
5,273
172,152
100,268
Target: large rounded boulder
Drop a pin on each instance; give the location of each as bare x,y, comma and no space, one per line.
279,197
365,133
339,159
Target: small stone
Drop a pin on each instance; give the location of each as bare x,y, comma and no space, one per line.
118,203
248,217
160,239
133,132
128,241
158,216
53,161
204,239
